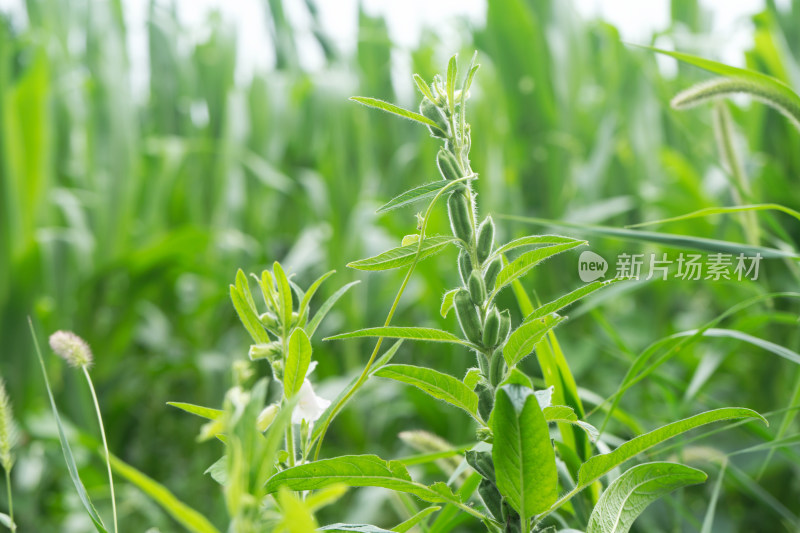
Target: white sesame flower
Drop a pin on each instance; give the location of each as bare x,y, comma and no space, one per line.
309,406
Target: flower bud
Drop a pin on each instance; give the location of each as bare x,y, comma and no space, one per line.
269,321
477,288
491,328
485,239
492,270
484,435
71,348
277,370
265,351
266,416
448,166
464,266
429,110
468,316
460,221
505,326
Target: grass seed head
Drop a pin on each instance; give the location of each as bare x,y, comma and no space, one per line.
71,348
8,429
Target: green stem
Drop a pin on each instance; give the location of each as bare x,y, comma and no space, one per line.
10,501
290,443
105,444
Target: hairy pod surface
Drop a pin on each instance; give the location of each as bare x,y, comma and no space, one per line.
468,316
464,266
496,367
491,329
491,497
477,288
485,239
458,209
505,326
448,166
485,394
429,110
492,270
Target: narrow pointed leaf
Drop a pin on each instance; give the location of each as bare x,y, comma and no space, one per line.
525,262
248,317
403,255
439,385
395,110
198,410
326,307
625,499
569,299
521,342
395,332
284,295
416,519
297,360
416,194
535,240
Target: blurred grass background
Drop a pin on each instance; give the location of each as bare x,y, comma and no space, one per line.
124,218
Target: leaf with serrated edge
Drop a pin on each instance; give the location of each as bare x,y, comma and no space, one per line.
403,255
625,499
437,384
524,459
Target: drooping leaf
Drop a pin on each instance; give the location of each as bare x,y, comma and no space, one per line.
600,465
439,385
186,516
198,410
297,360
396,332
395,110
416,194
625,499
525,262
521,342
524,458
447,302
403,255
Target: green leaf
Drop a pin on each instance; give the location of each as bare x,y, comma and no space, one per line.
711,211
569,299
404,255
358,471
395,110
563,414
203,412
423,87
625,499
395,332
248,317
69,458
524,459
447,302
535,240
414,195
416,519
186,516
297,360
525,262
521,342
452,73
439,385
600,465
326,307
361,528
284,295
306,301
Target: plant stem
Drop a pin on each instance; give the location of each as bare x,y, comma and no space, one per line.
10,501
105,444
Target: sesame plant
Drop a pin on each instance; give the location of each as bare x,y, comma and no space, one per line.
533,464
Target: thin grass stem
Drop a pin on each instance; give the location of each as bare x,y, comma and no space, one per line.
105,445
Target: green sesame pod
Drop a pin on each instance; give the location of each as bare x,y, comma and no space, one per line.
464,266
477,288
460,221
496,367
492,270
448,166
468,316
491,497
485,399
511,518
429,110
491,329
485,239
505,326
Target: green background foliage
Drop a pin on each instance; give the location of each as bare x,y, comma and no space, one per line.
125,217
